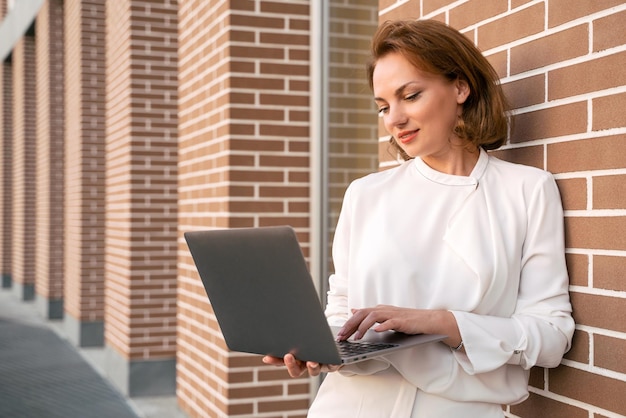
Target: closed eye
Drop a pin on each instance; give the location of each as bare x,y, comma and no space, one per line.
412,97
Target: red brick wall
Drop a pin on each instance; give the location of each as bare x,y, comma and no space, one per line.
562,64
243,161
50,156
141,178
23,161
84,170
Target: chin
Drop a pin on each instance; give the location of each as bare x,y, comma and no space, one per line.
412,153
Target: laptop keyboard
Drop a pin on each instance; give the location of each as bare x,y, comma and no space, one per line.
353,348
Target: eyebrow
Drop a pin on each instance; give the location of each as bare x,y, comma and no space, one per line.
398,92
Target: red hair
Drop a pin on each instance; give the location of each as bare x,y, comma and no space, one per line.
436,48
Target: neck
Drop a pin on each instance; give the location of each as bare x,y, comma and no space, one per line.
458,162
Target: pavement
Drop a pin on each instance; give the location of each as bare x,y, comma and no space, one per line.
43,375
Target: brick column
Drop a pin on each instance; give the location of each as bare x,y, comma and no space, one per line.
243,161
23,261
50,160
141,197
562,66
6,171
84,171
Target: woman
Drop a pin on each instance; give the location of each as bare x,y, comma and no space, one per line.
453,241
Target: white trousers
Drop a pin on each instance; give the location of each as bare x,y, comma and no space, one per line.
387,394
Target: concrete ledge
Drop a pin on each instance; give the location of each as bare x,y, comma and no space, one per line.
138,378
49,308
23,291
83,333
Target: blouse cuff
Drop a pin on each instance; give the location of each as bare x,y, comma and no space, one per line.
490,342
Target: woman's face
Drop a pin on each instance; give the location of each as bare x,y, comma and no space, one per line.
418,109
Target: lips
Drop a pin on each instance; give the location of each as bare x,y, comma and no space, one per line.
407,136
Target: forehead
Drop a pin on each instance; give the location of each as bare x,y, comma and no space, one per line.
393,71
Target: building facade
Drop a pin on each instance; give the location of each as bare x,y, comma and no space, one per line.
126,123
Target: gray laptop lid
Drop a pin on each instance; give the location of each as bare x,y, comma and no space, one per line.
263,296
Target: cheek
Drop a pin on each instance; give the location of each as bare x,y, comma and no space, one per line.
387,125
446,113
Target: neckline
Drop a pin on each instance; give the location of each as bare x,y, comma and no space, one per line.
453,180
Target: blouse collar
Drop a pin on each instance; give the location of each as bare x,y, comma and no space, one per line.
454,180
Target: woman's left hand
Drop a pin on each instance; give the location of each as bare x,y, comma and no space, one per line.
406,320
296,368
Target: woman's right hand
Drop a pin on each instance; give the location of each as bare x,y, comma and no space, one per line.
296,368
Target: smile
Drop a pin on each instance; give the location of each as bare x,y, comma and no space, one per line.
407,136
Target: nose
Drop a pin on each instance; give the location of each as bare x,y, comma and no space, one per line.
396,116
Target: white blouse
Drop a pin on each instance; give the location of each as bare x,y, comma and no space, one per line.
488,247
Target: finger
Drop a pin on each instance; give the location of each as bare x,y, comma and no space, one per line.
316,369
386,326
313,368
332,367
369,321
352,324
274,361
387,320
295,368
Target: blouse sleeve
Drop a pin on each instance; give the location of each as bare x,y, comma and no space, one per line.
540,330
337,311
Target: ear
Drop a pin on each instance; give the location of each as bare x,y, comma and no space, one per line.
462,89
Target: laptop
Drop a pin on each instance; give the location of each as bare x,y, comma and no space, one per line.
266,303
